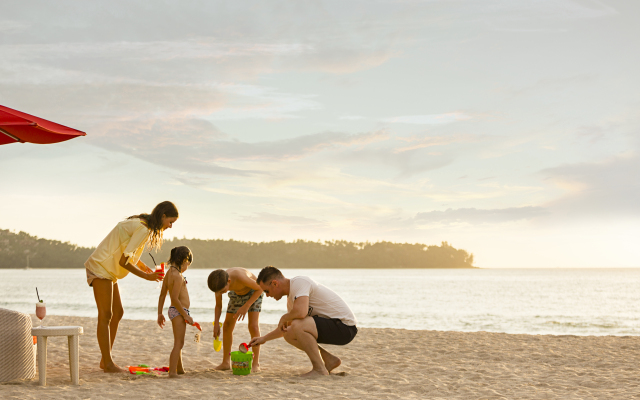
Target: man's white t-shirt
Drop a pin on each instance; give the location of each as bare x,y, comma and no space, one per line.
323,301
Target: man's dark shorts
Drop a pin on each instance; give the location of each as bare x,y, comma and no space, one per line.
334,331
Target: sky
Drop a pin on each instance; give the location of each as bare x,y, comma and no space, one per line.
510,129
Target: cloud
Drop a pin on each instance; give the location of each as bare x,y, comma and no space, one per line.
195,145
420,141
276,219
8,26
351,118
599,189
96,103
291,149
432,119
404,157
479,216
250,101
393,164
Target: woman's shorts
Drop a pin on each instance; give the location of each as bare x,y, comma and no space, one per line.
236,301
91,276
334,331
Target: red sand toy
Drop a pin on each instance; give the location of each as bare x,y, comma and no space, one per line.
198,332
144,369
244,347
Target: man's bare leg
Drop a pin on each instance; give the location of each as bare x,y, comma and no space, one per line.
302,333
227,341
331,362
254,331
103,292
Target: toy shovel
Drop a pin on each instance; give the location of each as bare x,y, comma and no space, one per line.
217,344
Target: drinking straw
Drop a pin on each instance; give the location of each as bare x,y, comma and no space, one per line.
40,301
154,260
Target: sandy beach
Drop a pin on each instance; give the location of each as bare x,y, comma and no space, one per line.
378,364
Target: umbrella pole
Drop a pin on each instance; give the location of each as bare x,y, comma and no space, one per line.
10,135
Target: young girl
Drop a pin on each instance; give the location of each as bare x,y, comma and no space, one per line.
176,284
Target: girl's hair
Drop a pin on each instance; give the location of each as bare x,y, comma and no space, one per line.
153,221
179,255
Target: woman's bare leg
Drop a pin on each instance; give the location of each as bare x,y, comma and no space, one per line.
254,331
175,359
227,341
116,314
103,292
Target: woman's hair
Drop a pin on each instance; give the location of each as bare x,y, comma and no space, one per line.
153,221
179,255
217,280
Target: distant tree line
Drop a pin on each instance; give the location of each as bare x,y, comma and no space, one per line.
18,249
217,253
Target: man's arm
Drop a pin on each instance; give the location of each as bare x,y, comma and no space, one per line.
300,310
274,334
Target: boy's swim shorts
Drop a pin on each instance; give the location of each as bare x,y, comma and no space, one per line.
236,301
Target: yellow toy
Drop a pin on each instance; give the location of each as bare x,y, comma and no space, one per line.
217,344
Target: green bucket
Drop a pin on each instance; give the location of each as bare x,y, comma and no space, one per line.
241,362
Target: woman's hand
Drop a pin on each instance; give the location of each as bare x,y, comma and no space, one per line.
161,321
154,276
216,330
242,311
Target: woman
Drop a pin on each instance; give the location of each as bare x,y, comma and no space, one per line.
117,255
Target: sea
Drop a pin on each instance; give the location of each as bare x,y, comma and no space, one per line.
528,301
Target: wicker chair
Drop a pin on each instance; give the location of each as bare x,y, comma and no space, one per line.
17,357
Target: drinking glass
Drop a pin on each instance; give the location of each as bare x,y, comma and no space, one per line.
41,312
160,268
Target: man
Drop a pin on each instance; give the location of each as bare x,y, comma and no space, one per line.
316,314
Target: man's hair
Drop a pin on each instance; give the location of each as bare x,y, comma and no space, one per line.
268,274
217,280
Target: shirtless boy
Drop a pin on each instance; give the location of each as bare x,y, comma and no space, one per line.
245,298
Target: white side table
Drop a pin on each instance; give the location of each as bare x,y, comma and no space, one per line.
72,332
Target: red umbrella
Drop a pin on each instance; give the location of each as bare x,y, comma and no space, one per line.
16,126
